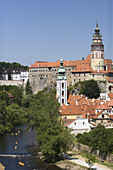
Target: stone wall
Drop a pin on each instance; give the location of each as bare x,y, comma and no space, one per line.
40,78
11,82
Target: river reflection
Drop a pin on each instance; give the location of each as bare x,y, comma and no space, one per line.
26,151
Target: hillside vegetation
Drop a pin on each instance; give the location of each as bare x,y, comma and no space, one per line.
88,88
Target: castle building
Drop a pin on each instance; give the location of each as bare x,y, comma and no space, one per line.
62,85
97,51
42,74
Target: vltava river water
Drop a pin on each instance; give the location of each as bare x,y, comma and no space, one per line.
26,152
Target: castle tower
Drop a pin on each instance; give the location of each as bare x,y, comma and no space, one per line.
97,50
61,85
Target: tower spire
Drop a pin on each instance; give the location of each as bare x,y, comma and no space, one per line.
97,22
97,50
62,85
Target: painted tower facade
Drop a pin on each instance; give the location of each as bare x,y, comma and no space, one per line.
97,50
62,85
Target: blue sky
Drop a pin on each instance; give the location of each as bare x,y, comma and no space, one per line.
32,30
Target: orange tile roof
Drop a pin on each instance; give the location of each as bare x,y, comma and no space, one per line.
73,98
65,63
110,103
83,68
73,110
95,117
109,80
103,107
67,122
99,71
110,95
9,94
111,116
108,61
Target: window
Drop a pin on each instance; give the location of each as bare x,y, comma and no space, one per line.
62,85
62,101
83,123
75,123
103,116
62,93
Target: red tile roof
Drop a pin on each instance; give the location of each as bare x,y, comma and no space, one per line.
111,116
73,110
110,103
83,68
67,122
110,95
65,63
103,107
96,115
109,80
108,61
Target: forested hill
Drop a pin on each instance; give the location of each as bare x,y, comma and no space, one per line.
4,65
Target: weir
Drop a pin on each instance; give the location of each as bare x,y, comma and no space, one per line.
12,155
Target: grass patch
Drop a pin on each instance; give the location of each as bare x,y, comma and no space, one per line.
69,164
98,160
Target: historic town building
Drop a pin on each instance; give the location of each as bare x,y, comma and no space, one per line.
97,51
62,85
42,74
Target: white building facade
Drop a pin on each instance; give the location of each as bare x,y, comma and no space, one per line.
62,85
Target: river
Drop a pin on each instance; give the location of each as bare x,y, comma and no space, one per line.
26,151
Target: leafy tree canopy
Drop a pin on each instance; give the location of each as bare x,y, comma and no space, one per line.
28,88
90,88
11,65
4,96
100,139
14,117
53,138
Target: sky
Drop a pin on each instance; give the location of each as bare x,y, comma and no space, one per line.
48,30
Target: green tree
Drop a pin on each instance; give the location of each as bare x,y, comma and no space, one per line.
14,117
85,138
2,117
90,88
18,94
28,88
53,138
2,129
90,160
4,97
27,100
100,139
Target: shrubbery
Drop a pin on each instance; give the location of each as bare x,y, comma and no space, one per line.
100,139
